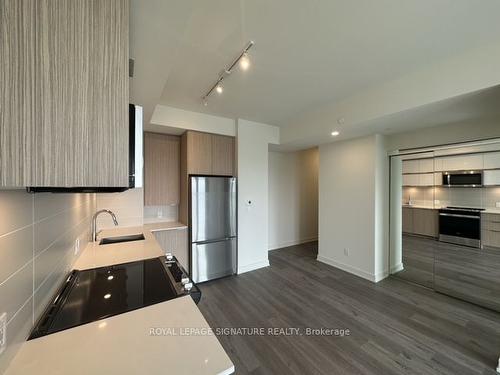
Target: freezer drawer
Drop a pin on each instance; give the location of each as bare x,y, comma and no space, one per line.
213,260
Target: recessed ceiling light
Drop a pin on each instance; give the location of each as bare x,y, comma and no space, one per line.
219,89
335,133
111,277
107,296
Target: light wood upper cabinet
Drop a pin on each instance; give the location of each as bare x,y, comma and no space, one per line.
209,154
205,154
161,169
17,92
69,115
199,153
222,155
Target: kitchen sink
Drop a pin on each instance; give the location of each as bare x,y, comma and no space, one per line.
118,239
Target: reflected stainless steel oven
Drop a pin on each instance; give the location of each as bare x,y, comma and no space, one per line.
460,225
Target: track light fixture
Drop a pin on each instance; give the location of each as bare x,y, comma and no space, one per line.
243,60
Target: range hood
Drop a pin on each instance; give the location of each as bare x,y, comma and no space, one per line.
76,189
135,162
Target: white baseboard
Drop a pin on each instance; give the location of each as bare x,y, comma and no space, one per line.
253,266
354,270
292,243
397,268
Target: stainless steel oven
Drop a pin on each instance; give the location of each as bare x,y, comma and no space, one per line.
460,225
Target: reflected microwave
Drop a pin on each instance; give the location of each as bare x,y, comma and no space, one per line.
463,178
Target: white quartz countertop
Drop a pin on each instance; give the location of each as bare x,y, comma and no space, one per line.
95,255
491,210
420,206
124,344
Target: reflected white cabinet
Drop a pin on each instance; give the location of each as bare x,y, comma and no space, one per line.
410,180
418,166
410,166
418,179
438,179
491,178
459,162
426,179
492,160
426,165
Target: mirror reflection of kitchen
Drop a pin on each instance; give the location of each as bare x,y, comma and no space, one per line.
445,221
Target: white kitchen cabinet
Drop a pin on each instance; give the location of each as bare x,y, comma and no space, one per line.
438,179
426,179
410,166
418,166
492,160
418,179
410,180
491,178
459,162
426,165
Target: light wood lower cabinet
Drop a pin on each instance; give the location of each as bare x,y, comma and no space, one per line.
421,221
175,241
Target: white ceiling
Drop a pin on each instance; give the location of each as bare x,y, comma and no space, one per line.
306,53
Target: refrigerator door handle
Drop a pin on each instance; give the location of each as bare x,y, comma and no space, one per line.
213,241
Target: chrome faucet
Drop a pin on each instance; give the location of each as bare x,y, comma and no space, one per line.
94,222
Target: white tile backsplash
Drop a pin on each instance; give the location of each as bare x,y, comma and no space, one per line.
486,197
163,213
128,207
37,238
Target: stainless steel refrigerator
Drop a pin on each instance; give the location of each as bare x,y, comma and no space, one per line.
213,235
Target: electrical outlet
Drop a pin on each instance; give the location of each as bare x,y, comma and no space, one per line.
346,252
77,246
3,332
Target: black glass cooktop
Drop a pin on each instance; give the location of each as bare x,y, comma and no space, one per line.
98,293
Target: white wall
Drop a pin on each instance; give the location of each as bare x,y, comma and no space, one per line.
176,121
353,215
445,134
252,153
293,197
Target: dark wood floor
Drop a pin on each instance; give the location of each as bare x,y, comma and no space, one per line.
460,271
395,327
